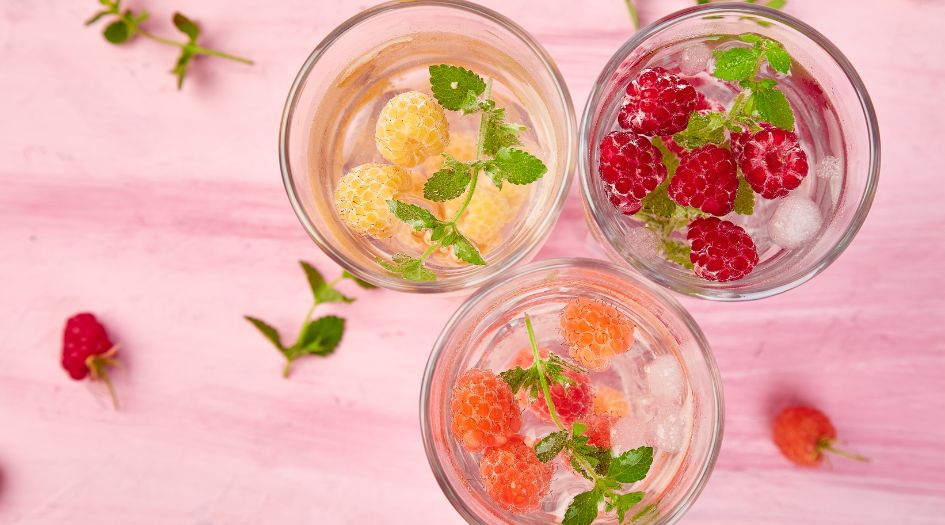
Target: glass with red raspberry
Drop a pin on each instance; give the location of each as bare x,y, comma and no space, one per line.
405,91
571,387
729,152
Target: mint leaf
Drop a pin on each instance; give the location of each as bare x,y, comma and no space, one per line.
267,331
409,268
321,290
578,429
773,107
778,57
583,508
744,198
180,69
737,63
321,336
415,216
447,183
186,26
549,446
632,465
703,128
456,88
357,280
465,250
515,378
516,166
776,4
624,502
677,252
499,133
117,32
649,509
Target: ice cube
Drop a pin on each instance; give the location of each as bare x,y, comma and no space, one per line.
670,432
642,243
630,433
665,378
796,220
694,59
829,168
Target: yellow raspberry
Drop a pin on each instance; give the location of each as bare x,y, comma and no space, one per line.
361,197
595,332
610,402
411,127
484,218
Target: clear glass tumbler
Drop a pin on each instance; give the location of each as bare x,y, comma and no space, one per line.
668,377
328,124
836,126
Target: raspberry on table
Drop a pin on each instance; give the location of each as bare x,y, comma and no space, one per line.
87,350
631,167
771,160
514,477
361,197
595,332
609,402
706,179
721,251
411,127
658,103
571,402
483,412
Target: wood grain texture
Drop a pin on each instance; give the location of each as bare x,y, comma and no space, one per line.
164,213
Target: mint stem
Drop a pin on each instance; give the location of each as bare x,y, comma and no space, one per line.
541,372
634,15
480,147
196,49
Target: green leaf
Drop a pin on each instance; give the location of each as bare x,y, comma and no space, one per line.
751,38
516,378
321,290
499,133
267,331
624,502
180,69
578,429
549,446
315,279
357,280
465,250
117,32
677,252
744,198
415,216
516,166
703,128
96,17
737,63
583,508
187,26
773,107
456,88
778,57
409,268
649,509
321,336
776,4
632,465
447,183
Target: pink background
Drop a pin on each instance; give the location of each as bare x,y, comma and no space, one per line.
163,212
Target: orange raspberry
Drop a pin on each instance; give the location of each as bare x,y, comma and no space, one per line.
361,197
514,477
595,332
483,410
610,402
411,127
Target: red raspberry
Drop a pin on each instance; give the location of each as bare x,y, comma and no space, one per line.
631,167
706,179
771,159
803,434
483,410
571,401
658,103
721,251
514,477
86,349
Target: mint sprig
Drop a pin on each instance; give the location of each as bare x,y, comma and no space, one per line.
126,25
459,89
320,336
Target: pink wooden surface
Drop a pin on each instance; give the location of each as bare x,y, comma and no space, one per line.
164,213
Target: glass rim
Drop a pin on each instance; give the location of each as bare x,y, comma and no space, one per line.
540,231
659,293
865,103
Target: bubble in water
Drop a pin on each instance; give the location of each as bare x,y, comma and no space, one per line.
796,221
665,378
670,432
829,168
642,243
695,59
